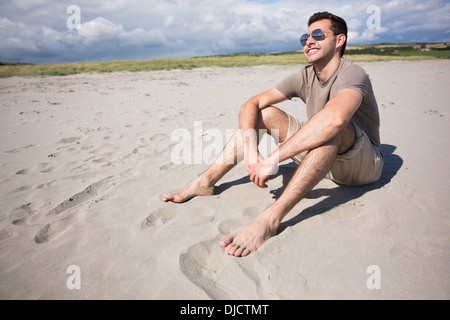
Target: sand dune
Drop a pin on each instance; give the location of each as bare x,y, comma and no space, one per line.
85,159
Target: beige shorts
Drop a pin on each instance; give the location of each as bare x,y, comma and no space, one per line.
360,165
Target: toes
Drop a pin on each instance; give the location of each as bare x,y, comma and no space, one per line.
177,198
236,250
243,251
246,252
239,252
226,242
232,249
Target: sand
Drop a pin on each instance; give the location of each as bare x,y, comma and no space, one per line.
84,160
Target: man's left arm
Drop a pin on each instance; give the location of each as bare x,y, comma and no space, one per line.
322,127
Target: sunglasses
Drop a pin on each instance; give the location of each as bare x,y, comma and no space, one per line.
317,35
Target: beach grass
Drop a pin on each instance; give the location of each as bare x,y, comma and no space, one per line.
232,60
357,54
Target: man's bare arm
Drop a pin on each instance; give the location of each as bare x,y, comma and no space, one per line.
248,121
323,126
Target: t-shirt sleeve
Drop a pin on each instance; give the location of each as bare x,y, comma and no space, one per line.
291,85
355,78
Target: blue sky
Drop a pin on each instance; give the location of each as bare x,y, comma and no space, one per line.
37,31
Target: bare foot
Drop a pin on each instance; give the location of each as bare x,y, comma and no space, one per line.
197,187
251,237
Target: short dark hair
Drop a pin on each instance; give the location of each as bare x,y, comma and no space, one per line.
338,25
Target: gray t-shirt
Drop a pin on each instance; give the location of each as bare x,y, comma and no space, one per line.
305,85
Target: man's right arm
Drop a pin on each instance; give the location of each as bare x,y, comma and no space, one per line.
248,121
248,117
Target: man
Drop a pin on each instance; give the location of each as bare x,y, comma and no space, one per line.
340,141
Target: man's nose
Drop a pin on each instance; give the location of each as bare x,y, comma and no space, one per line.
310,40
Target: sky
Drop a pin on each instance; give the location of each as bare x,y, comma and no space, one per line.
58,31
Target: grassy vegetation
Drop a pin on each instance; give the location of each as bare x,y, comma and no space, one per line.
420,50
368,53
233,60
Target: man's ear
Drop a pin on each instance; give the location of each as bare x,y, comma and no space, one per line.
340,40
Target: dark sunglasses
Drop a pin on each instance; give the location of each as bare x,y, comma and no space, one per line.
317,35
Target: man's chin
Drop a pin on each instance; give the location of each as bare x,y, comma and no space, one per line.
311,59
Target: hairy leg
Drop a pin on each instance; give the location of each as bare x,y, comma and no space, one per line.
204,185
269,119
314,167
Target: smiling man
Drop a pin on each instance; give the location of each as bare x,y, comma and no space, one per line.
340,141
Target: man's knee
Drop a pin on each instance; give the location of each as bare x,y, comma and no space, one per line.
266,115
275,121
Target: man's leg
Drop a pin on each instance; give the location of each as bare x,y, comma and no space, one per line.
204,184
314,167
269,119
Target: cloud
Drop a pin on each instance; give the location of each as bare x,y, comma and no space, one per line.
36,30
98,38
101,30
29,4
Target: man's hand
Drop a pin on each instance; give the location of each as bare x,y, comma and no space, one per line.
258,168
260,171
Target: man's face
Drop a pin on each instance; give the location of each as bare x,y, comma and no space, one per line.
315,51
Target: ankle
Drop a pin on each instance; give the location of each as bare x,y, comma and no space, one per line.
206,181
276,214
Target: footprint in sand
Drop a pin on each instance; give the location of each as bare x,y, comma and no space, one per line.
81,197
206,265
55,228
229,227
5,233
22,148
40,168
136,151
203,265
51,230
28,213
158,137
167,166
365,216
174,167
159,217
215,273
23,214
69,140
162,216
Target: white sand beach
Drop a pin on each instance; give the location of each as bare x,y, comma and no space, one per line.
84,160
